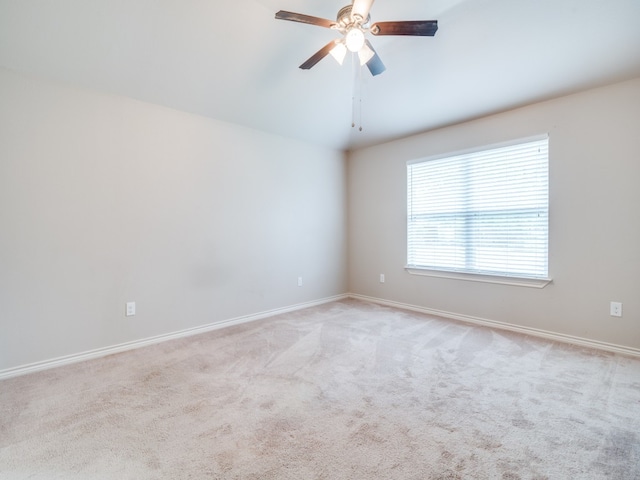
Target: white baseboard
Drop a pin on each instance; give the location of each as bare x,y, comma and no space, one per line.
123,347
102,352
558,337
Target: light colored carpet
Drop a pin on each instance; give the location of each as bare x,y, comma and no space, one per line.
347,390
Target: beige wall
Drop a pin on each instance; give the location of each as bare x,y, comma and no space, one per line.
105,200
594,140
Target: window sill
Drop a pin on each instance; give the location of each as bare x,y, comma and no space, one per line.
476,277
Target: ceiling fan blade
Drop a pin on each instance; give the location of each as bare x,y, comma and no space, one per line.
375,65
361,8
299,17
319,55
420,28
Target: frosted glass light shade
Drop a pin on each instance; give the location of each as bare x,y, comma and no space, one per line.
339,52
365,54
354,39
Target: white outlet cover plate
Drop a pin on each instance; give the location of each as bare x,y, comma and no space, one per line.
615,309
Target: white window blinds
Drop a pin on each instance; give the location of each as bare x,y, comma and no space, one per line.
484,212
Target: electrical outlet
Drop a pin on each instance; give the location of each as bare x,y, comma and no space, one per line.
382,278
299,281
131,309
615,309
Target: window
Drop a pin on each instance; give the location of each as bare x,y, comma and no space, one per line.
485,212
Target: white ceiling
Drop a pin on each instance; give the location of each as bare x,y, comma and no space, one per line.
231,60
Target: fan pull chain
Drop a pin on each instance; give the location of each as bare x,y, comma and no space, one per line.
356,99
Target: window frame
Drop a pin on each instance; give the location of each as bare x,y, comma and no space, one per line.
496,278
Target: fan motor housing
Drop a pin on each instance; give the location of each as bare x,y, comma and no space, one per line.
344,15
344,18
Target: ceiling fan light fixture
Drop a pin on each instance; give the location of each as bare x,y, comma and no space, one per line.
353,23
339,52
354,39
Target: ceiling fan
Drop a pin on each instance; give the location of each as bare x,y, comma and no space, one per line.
352,22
